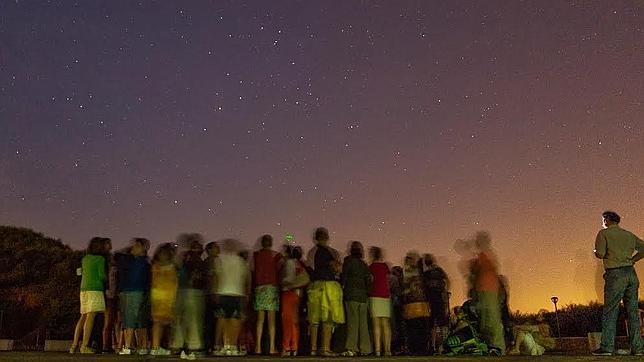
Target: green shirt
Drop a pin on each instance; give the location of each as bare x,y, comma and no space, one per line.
93,273
616,247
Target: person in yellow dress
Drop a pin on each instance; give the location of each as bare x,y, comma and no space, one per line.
163,294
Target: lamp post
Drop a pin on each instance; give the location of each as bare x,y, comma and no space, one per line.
554,300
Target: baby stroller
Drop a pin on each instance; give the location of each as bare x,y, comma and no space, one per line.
463,338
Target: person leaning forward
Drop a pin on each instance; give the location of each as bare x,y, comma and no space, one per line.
619,250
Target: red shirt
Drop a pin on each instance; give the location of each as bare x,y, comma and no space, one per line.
380,286
266,267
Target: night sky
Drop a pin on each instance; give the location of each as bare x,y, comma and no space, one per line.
404,124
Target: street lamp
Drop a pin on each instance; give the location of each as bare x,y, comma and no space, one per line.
554,300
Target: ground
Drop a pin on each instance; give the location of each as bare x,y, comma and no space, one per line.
60,357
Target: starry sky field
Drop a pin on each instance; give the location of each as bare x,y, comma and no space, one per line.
404,124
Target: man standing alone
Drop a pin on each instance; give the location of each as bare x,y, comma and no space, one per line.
619,249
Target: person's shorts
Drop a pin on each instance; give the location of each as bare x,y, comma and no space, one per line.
134,309
325,302
267,298
229,307
380,307
92,301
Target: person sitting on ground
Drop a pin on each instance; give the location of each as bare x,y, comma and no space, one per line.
533,339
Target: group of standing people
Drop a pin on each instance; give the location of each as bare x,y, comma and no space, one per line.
193,300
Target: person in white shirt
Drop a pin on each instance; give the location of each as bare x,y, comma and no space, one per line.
233,285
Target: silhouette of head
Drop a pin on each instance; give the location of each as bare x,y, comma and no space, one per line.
356,250
611,218
266,241
321,236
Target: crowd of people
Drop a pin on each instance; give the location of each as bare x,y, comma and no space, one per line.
194,299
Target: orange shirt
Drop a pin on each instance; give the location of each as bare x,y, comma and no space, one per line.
487,279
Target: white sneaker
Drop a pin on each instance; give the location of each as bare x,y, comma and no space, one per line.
219,352
159,352
188,356
125,351
142,351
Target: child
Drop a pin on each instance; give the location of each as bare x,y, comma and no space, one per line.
163,295
92,298
380,302
134,283
266,263
294,279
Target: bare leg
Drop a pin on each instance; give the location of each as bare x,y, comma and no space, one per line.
327,330
157,331
219,332
141,338
78,330
235,328
314,337
259,330
108,329
377,336
129,335
87,328
386,335
118,331
271,330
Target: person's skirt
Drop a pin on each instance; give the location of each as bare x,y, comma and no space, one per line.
380,307
92,301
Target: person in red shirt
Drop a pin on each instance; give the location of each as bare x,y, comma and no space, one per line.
266,267
380,302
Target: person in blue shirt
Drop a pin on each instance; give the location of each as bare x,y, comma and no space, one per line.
133,285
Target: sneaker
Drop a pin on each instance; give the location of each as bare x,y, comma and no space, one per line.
142,351
601,352
72,349
87,350
125,351
348,353
188,356
638,353
327,354
159,352
219,352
